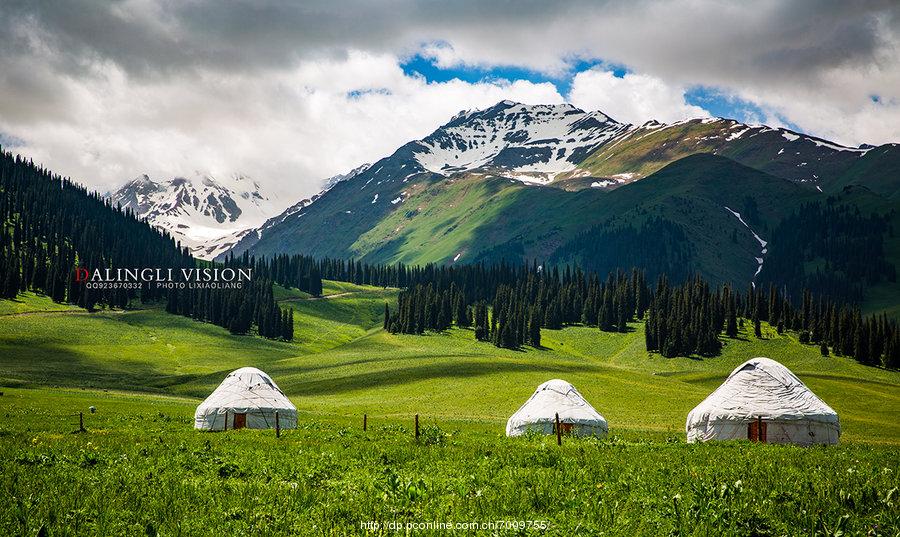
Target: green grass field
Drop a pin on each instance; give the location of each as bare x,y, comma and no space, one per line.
140,466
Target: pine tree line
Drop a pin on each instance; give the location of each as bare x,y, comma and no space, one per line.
239,310
509,305
291,271
689,318
523,301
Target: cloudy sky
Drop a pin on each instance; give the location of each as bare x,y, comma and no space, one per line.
291,93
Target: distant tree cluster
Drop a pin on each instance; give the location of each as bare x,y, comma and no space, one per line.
831,249
253,305
872,340
238,310
523,301
422,308
508,305
688,319
658,246
292,271
361,273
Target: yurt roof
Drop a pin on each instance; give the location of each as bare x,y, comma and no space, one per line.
558,396
762,388
247,388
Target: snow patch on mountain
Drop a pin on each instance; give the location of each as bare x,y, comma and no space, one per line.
212,248
331,181
762,243
736,135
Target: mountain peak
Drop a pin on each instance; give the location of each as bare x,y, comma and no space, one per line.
331,181
533,143
142,179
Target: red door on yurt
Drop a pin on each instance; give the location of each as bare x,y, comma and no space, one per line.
240,421
756,431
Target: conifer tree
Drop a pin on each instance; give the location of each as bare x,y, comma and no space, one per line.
482,330
534,328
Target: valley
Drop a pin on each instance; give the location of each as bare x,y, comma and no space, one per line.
343,364
144,371
496,187
449,268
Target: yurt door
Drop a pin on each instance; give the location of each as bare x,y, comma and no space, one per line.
565,428
756,431
240,421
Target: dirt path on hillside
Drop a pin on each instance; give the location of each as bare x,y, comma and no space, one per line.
65,312
324,297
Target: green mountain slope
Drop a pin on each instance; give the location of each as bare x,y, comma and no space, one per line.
696,194
780,152
878,170
473,217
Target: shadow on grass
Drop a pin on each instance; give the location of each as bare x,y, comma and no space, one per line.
57,366
408,375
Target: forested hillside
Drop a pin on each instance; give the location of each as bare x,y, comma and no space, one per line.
49,226
510,306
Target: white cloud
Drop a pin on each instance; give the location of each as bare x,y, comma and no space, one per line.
289,130
634,98
104,91
841,108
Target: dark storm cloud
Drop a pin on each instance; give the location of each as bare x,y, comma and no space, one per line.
153,38
163,38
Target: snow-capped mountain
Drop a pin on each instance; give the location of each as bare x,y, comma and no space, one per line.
528,143
423,203
206,214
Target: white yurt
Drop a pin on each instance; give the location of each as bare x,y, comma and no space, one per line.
762,400
246,398
576,415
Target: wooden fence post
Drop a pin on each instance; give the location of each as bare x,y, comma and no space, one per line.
417,427
277,426
365,419
81,422
558,431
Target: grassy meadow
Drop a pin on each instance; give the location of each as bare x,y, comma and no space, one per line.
141,469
